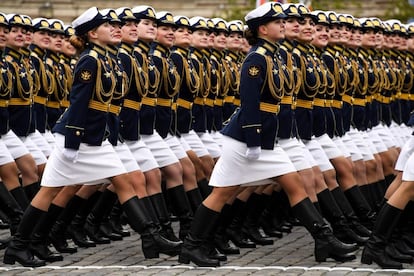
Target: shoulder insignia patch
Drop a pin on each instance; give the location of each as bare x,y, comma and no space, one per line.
254,71
85,75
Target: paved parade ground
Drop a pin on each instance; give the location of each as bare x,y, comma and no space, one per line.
291,255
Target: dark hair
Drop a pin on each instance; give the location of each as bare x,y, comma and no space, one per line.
251,36
79,42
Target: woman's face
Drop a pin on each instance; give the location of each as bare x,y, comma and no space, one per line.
116,33
356,38
42,39
3,31
306,30
219,40
67,48
15,38
335,34
234,41
199,39
273,30
56,42
130,32
165,35
182,37
147,30
321,36
102,35
368,39
292,28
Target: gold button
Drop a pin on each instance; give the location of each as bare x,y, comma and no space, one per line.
77,133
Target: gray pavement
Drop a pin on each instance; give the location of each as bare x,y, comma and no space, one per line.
289,256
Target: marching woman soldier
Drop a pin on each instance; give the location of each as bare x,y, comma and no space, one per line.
250,141
67,59
20,108
233,47
82,148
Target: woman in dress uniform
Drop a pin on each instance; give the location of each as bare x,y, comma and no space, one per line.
249,141
81,147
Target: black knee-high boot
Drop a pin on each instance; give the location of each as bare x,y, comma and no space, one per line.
100,210
11,208
366,191
76,229
31,190
255,207
221,240
152,242
193,250
349,213
18,249
39,242
181,208
361,206
194,198
204,188
374,250
20,196
326,245
160,207
57,234
115,220
233,229
340,226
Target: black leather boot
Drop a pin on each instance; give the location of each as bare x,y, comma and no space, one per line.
326,245
57,235
194,198
280,211
340,226
193,249
221,241
18,249
20,196
11,208
181,208
255,207
100,210
31,190
233,229
348,211
204,188
160,208
152,242
39,243
361,206
115,220
76,229
374,250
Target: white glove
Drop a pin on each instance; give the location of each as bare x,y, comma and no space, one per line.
71,154
253,153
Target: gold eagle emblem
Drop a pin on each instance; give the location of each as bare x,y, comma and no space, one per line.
85,75
254,71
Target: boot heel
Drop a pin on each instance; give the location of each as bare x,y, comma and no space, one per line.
183,260
151,254
366,258
9,260
321,256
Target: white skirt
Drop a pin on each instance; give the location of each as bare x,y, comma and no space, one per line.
142,155
5,156
352,148
175,146
341,146
361,144
319,155
377,141
15,146
34,150
329,147
41,142
233,168
297,152
50,138
406,151
385,135
159,148
408,172
184,144
94,163
126,157
195,143
211,145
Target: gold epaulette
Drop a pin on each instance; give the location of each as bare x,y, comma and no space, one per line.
93,53
157,53
261,50
296,51
123,51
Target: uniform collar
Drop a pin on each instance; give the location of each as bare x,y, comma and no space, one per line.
53,56
37,50
181,50
25,51
288,44
99,49
13,53
161,48
143,46
127,47
233,55
198,53
271,47
217,54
